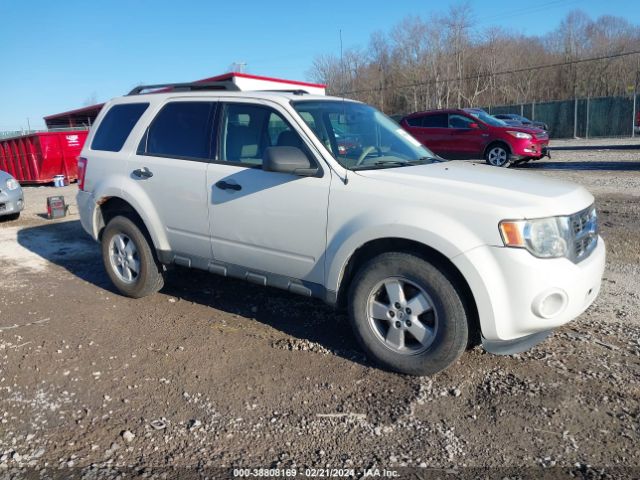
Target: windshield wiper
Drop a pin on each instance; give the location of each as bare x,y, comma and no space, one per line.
380,164
397,163
423,160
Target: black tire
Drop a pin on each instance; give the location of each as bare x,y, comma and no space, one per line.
149,279
451,328
492,150
11,218
522,161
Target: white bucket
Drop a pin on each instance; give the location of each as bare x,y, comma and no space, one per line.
58,180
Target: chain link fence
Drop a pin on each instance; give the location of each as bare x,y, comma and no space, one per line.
582,117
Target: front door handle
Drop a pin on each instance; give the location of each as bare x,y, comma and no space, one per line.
143,172
222,185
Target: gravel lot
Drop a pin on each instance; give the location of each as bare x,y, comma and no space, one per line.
212,372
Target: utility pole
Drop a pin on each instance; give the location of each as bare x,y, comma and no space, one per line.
635,101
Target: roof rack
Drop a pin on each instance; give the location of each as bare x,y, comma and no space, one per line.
185,87
297,91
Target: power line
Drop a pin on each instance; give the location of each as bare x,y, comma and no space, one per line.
497,74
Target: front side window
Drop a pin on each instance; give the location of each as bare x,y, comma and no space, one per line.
248,130
486,118
459,121
116,126
180,130
360,137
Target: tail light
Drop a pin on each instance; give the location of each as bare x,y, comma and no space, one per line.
82,170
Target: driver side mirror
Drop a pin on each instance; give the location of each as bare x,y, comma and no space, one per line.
474,125
289,160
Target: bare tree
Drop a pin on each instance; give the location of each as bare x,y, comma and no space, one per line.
444,61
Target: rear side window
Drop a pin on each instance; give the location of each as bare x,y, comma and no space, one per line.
117,125
180,130
439,120
414,121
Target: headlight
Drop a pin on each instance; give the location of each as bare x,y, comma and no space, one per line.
519,134
542,237
12,184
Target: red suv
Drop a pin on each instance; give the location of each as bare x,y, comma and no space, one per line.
473,133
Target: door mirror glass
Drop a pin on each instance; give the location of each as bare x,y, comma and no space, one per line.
474,125
290,160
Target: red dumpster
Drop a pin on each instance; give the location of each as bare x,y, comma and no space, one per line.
37,157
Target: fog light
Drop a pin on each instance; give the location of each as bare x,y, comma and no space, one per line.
550,303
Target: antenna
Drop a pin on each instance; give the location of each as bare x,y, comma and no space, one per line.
344,110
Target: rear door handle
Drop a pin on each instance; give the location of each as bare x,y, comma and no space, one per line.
222,185
143,172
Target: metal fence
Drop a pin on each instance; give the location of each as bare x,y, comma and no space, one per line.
582,117
19,133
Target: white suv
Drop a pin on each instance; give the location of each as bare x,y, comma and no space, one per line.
329,198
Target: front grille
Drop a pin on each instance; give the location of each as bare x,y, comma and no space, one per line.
584,232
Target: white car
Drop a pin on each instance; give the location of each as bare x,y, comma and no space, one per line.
11,197
428,256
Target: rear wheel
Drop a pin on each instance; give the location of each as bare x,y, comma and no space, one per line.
407,315
129,259
497,155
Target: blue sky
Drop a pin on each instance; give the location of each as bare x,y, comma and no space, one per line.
57,55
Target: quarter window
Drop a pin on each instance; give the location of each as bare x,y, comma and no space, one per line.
414,121
117,125
180,130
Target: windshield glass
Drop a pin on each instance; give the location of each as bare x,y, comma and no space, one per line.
360,137
486,118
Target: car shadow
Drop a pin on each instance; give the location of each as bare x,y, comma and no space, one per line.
312,324
305,319
613,166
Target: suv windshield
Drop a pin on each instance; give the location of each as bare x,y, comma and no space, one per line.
486,118
360,137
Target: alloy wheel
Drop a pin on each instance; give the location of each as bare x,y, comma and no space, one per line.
402,316
498,156
124,258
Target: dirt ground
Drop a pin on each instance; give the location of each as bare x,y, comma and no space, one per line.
212,372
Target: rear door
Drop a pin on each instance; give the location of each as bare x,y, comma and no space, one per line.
170,165
431,130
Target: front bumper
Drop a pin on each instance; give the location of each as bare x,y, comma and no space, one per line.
11,202
519,295
531,149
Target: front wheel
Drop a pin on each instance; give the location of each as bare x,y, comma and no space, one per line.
129,260
407,315
498,156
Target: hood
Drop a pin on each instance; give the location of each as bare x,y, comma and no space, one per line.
475,186
4,176
531,130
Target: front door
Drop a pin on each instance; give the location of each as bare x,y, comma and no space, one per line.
466,138
267,222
